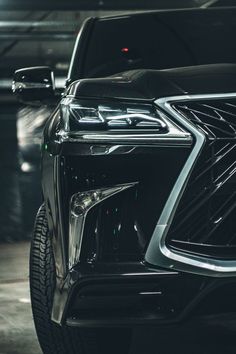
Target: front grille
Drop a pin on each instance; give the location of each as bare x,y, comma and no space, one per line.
205,220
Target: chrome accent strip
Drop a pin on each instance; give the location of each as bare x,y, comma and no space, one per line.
80,205
208,4
158,253
29,85
161,139
174,135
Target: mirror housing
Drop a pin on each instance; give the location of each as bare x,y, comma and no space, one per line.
34,84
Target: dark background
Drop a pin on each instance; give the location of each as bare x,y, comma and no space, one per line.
43,33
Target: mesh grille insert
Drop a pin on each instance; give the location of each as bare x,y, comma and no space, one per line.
205,221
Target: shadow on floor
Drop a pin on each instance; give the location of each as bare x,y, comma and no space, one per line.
20,190
17,333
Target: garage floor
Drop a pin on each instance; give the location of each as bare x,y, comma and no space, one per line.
17,334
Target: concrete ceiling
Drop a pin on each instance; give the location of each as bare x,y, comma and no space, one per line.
96,4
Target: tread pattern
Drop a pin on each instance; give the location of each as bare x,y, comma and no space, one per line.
55,339
52,338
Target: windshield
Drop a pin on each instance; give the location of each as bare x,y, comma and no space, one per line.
161,40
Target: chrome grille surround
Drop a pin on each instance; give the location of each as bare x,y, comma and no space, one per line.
158,253
204,223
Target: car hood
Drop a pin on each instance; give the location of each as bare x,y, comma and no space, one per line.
153,84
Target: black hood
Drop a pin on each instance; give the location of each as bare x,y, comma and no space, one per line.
153,84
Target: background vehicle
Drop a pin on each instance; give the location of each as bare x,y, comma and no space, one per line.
138,174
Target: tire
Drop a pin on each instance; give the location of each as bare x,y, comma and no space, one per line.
53,338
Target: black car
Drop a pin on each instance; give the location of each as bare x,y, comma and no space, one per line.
137,226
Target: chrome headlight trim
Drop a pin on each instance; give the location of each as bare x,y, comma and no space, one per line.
166,133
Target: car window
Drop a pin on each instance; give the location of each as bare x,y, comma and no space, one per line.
161,41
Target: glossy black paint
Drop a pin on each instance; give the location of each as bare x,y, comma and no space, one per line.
116,260
123,216
153,84
80,49
36,83
152,297
66,173
68,169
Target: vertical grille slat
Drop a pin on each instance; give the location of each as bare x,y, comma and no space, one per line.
205,220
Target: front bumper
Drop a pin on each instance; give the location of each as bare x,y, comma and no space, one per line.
135,294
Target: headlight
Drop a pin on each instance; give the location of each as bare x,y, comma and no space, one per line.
96,120
86,115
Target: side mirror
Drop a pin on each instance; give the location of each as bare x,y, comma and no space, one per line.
34,84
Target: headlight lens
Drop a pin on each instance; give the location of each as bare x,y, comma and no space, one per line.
90,120
84,115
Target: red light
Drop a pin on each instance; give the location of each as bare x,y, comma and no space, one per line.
125,50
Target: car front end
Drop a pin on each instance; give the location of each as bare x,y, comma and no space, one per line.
139,188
